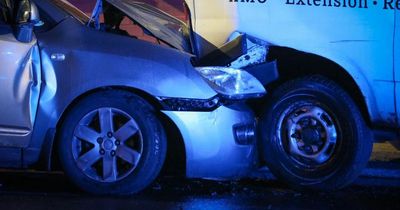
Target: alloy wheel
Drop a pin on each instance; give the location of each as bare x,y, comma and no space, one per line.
107,144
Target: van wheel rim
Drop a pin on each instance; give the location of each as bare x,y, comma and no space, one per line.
309,135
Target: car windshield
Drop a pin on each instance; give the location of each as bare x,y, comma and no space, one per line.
160,24
72,10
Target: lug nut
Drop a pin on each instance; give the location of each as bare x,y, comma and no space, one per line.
313,122
309,149
113,153
102,152
117,142
109,135
100,140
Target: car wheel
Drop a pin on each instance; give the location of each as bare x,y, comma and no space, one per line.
313,136
111,142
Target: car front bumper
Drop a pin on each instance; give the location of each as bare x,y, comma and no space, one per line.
219,144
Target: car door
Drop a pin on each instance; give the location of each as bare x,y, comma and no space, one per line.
19,88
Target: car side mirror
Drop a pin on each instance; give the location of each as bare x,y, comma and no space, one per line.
27,16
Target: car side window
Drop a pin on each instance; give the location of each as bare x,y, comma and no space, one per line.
5,16
22,11
6,10
117,22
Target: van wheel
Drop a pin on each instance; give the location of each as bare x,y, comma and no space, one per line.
111,142
313,136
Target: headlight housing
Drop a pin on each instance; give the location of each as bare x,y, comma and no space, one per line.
232,83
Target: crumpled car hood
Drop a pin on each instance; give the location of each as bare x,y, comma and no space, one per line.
160,24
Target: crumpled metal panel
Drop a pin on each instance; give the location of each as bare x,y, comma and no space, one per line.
20,87
256,54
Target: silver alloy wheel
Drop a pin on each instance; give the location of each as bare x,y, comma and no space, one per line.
107,144
309,135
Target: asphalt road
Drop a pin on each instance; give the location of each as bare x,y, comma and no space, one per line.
374,190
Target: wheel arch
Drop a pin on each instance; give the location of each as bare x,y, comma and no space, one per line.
175,151
293,64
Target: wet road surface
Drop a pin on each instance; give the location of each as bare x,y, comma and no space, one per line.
43,191
375,190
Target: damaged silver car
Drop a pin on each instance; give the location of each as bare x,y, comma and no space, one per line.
109,108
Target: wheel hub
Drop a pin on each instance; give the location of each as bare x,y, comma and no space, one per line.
109,144
312,134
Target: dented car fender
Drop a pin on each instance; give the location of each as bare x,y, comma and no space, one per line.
67,75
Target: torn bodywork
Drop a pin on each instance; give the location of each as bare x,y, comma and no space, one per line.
241,51
20,85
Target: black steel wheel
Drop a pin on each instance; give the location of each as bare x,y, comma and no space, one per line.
112,143
313,135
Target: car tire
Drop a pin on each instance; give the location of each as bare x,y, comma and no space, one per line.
313,136
111,143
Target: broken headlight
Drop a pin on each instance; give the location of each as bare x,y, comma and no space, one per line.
232,83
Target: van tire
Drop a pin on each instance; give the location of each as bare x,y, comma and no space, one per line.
313,136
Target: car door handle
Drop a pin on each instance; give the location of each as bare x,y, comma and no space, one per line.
57,57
